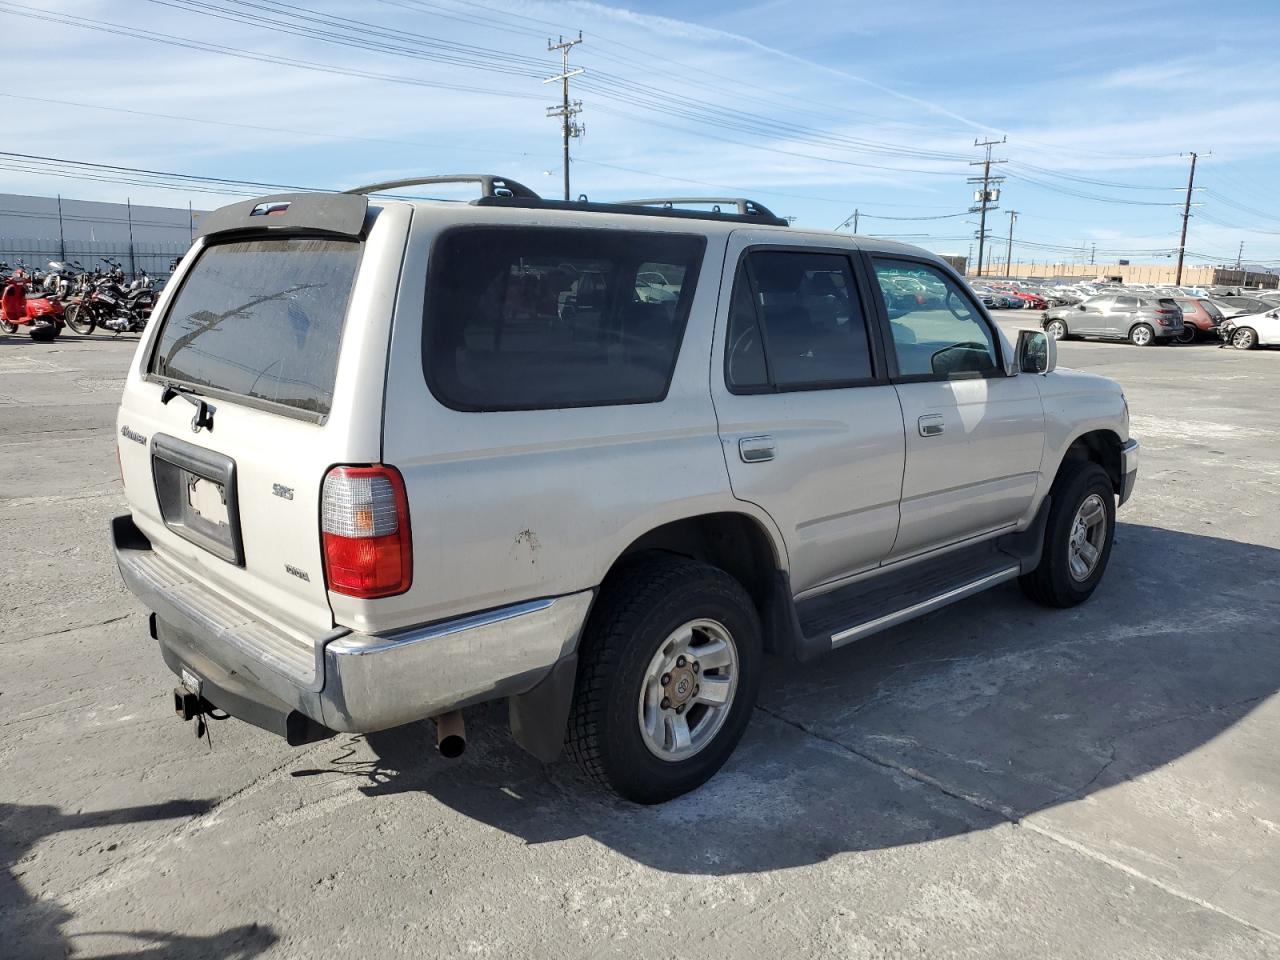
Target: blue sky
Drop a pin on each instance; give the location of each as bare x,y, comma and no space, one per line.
814,108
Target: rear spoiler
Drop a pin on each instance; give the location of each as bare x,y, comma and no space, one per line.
342,214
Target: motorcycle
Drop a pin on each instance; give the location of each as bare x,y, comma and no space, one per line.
43,317
104,302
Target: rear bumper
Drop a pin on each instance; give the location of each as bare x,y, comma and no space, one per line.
342,680
1128,469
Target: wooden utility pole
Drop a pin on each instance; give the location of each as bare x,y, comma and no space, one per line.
1186,215
986,198
1013,215
566,110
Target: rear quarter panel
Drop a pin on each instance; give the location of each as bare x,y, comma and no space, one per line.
509,506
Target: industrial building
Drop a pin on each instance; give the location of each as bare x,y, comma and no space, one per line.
39,229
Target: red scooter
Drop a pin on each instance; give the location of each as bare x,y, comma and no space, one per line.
42,317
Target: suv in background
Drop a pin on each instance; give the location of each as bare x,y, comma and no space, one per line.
388,459
1142,321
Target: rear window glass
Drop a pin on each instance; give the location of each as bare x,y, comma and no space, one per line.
261,319
532,318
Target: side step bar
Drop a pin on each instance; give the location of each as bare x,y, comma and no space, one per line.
850,634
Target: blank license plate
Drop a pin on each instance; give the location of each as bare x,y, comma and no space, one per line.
208,500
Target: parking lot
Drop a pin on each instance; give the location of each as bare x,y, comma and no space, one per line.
996,780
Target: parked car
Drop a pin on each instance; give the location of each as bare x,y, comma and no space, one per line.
1140,320
1200,318
374,475
1031,301
1252,330
1237,306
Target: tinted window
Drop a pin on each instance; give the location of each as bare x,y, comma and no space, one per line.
804,309
535,318
936,329
1210,308
1127,303
261,319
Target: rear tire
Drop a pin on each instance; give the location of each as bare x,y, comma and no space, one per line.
644,604
43,334
1080,485
1142,335
1188,334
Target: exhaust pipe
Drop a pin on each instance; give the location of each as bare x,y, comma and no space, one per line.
451,734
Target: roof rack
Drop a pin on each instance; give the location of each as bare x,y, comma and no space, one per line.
491,185
744,207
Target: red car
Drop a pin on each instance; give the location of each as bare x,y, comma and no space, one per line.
1200,318
1033,301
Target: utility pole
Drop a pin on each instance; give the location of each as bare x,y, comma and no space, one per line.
852,218
1013,215
1093,253
567,110
986,198
1240,255
1186,215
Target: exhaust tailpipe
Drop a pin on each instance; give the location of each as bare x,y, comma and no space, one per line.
451,734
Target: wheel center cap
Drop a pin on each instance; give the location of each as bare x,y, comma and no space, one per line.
682,685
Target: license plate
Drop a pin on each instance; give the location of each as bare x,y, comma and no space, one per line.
208,500
191,682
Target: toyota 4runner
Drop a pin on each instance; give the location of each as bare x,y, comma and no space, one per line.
387,459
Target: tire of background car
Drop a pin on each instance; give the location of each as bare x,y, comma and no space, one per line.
630,663
1142,335
8,327
1083,498
1188,334
1244,338
1056,329
82,327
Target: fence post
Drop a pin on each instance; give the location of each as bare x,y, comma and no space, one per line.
133,268
62,237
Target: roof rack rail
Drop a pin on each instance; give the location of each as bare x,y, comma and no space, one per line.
491,185
743,206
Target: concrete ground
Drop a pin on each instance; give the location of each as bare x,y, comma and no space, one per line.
997,780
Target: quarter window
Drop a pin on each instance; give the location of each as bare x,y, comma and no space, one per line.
937,331
528,318
795,322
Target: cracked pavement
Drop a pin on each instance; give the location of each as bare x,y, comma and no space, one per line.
996,780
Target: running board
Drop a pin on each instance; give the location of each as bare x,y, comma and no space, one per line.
850,634
902,592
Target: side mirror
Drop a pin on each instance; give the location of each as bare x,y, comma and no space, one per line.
1037,352
1079,306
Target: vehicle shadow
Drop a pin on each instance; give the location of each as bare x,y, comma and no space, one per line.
33,927
985,713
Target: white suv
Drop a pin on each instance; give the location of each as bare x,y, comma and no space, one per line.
387,459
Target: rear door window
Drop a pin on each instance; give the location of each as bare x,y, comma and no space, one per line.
261,319
796,323
530,318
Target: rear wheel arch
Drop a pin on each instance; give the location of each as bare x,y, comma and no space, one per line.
732,542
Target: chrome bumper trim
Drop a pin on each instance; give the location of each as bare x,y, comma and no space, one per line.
1128,469
366,682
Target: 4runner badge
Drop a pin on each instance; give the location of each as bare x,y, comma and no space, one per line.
282,491
130,434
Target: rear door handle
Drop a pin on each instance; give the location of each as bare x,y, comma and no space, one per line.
756,449
931,425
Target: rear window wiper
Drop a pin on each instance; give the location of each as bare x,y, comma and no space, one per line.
204,409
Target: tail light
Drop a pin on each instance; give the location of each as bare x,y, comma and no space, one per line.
364,525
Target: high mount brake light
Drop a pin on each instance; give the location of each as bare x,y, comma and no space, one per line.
364,527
